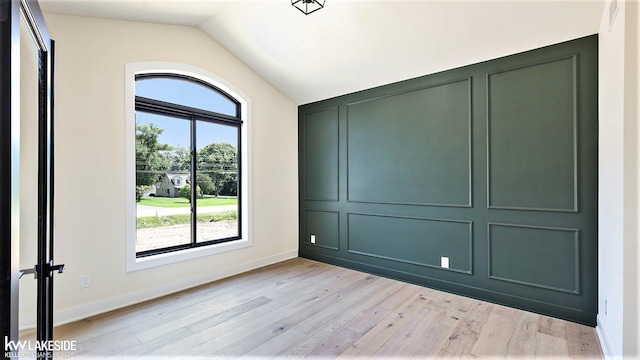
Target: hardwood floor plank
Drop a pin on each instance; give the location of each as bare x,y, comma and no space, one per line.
552,326
472,315
407,338
336,344
218,318
383,288
434,338
111,344
202,342
144,348
479,312
274,345
582,342
333,336
226,290
322,276
362,287
260,318
523,337
550,347
302,308
385,301
461,340
373,316
373,340
456,308
495,334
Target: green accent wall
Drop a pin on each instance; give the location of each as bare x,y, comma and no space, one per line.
493,166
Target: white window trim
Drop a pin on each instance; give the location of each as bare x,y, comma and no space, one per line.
133,69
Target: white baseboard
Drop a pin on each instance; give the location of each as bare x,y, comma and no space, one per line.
604,342
91,309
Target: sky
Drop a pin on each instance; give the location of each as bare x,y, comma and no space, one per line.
176,131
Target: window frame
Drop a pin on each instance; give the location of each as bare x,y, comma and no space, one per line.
135,71
193,115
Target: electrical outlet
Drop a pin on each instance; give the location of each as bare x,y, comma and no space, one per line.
85,281
444,262
605,307
313,239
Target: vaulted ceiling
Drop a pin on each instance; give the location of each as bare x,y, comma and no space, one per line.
352,45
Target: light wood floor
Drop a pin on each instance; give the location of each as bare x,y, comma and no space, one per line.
302,308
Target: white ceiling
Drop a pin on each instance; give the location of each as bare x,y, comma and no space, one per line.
352,45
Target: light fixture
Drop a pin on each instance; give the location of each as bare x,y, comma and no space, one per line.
308,6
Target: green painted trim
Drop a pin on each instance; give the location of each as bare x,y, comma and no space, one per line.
576,249
469,223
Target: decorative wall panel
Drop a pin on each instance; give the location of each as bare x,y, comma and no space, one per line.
532,137
415,132
418,241
324,227
321,155
535,256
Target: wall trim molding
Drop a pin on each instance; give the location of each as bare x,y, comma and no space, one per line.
604,342
84,311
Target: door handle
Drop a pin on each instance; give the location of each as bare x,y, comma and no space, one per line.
59,268
49,269
32,270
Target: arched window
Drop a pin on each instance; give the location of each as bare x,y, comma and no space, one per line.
188,164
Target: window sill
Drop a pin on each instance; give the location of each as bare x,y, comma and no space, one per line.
135,264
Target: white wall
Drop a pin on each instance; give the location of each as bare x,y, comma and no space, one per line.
90,162
618,313
631,339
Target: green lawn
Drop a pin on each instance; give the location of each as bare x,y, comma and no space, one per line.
154,221
207,200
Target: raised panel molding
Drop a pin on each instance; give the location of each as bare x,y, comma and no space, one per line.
532,137
414,132
542,257
321,149
412,240
325,226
